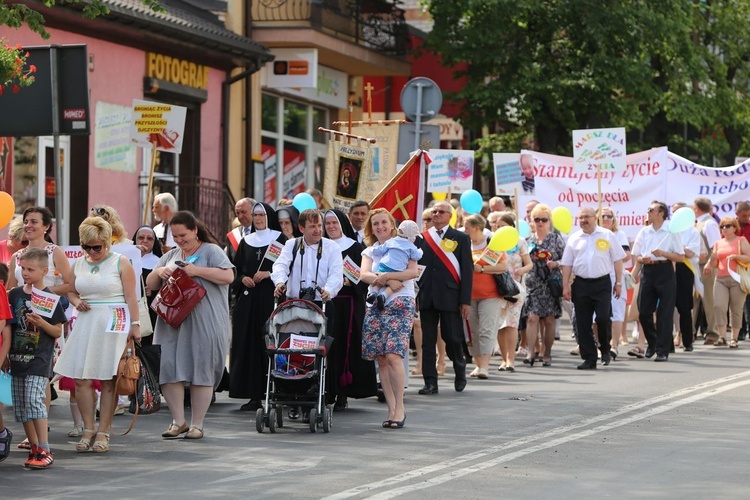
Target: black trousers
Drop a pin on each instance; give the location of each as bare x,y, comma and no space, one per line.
684,281
657,295
452,331
593,296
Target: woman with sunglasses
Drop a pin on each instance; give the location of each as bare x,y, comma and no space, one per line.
109,214
99,279
728,252
546,248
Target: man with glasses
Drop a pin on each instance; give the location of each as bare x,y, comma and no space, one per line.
710,234
656,250
591,254
444,295
164,208
243,211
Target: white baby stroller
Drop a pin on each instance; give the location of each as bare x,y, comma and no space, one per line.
297,346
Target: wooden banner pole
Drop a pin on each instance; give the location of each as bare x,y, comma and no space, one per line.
150,188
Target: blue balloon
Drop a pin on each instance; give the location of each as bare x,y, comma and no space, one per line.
304,201
524,230
471,201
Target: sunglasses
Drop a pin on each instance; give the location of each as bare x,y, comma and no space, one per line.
651,209
726,226
541,219
90,248
438,212
605,216
426,220
101,212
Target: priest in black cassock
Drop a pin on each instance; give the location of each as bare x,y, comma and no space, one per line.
348,374
253,288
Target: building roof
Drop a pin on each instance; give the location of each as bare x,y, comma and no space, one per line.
183,20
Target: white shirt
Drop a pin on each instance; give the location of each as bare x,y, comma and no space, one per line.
691,240
592,255
710,229
160,229
361,236
330,274
649,240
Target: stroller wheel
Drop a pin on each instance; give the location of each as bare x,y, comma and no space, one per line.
327,418
259,420
313,419
279,416
272,420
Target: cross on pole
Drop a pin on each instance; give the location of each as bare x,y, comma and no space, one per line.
369,88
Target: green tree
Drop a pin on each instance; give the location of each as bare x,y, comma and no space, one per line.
16,15
550,67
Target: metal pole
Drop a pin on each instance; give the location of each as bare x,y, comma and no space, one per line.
418,121
60,223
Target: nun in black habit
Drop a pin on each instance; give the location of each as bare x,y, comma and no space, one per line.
348,374
248,362
289,221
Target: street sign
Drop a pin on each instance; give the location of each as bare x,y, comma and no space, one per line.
421,98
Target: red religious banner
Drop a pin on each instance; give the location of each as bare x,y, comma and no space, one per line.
403,196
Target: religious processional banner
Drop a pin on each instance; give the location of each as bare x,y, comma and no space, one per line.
345,165
384,163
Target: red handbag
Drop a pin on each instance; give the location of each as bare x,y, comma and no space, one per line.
177,298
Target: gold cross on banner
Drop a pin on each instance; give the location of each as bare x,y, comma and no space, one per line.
401,205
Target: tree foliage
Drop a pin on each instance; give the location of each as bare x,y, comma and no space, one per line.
656,68
16,15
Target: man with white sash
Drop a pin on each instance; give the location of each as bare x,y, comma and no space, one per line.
444,295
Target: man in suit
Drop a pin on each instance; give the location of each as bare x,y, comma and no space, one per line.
243,210
444,295
358,214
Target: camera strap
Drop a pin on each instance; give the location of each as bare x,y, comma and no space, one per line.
299,245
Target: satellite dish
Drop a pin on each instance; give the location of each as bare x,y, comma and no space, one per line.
421,99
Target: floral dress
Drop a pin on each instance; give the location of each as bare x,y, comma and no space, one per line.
539,301
510,312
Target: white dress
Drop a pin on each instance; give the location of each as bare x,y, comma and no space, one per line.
90,352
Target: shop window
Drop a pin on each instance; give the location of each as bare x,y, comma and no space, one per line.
295,120
269,118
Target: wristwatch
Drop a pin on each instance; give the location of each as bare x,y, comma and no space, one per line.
135,323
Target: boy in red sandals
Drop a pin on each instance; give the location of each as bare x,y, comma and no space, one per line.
32,347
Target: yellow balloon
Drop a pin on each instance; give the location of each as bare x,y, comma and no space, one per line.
439,196
454,217
562,219
7,208
504,239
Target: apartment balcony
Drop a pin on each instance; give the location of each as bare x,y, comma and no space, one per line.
359,37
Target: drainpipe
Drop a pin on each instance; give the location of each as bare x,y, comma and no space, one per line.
225,119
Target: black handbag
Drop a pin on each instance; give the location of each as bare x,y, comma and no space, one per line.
506,286
554,283
148,393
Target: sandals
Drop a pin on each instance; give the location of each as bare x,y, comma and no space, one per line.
85,443
474,373
733,344
194,433
722,342
101,445
483,374
636,352
175,430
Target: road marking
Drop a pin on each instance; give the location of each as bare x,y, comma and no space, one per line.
553,437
